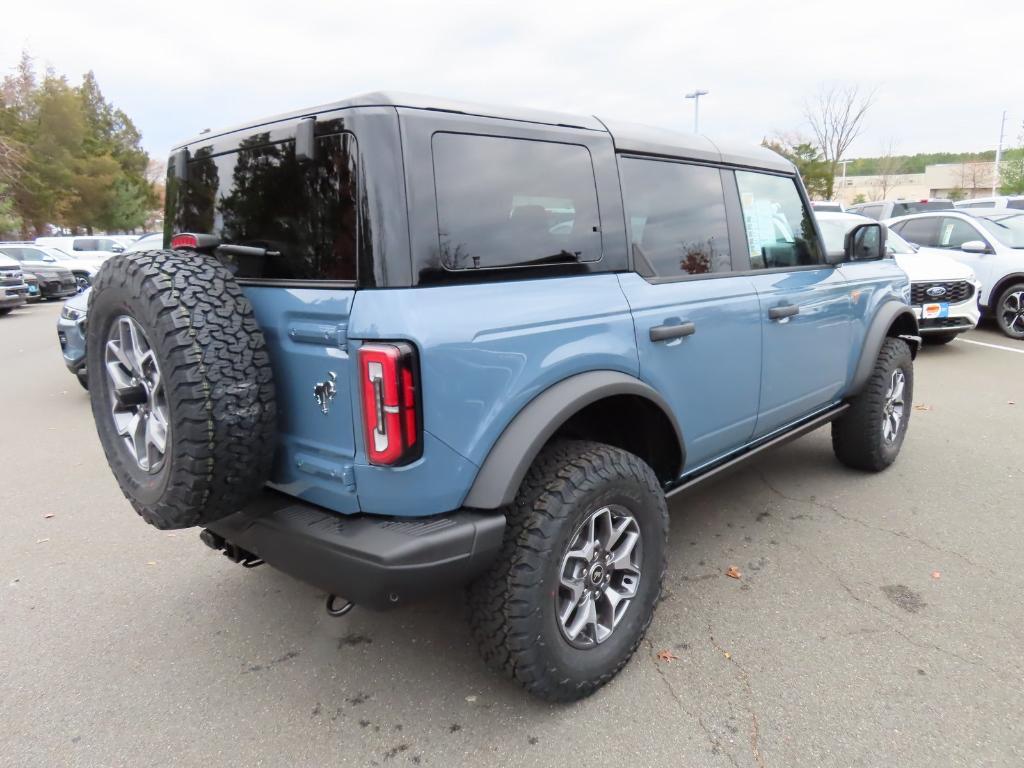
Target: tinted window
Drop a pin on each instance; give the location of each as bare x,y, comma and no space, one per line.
86,244
510,202
1016,204
955,232
871,211
920,231
303,212
780,231
677,218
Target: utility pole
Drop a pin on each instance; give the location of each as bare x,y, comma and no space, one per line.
696,107
999,155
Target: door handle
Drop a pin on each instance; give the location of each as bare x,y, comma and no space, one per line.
677,331
784,311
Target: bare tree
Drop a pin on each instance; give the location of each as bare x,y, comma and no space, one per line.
890,171
975,177
836,117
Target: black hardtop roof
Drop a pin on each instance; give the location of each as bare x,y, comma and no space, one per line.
628,137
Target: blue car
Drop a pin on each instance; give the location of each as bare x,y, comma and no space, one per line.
397,345
71,335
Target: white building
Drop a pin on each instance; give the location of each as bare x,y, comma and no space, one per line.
974,179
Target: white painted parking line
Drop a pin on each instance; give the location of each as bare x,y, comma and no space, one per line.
992,346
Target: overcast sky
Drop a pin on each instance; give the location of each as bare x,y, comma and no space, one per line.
943,72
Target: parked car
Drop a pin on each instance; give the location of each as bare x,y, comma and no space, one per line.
13,291
831,206
55,281
1012,202
493,402
886,209
71,335
991,242
943,292
31,256
149,242
98,247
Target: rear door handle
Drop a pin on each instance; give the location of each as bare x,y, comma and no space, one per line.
781,313
677,331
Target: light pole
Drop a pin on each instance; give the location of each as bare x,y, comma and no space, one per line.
843,192
999,155
696,107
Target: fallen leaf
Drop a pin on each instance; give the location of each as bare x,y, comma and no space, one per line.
48,515
923,407
41,541
727,654
471,699
936,575
151,562
733,572
667,655
1010,402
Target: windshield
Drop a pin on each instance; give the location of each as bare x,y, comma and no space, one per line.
57,253
917,206
27,254
1007,228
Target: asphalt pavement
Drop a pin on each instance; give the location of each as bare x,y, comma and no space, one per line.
877,620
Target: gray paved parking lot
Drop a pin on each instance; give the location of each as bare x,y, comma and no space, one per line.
877,621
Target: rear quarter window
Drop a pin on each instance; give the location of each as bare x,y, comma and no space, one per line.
505,202
304,212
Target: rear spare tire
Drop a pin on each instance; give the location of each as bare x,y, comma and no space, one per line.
181,386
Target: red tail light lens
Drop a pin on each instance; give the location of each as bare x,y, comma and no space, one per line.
390,396
184,241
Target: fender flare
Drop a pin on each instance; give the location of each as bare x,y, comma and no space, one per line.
510,457
884,318
1001,285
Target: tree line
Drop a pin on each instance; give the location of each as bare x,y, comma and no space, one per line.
68,157
836,114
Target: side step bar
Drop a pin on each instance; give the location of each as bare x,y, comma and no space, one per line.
688,483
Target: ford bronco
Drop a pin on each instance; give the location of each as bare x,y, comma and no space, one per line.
396,345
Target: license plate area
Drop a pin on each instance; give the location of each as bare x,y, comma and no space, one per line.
934,310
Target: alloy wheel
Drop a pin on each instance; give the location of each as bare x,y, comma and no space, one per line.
1011,313
138,403
892,412
599,576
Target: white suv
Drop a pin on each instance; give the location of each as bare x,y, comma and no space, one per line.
1014,202
989,241
943,292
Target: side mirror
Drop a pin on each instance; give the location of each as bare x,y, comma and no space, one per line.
974,246
865,242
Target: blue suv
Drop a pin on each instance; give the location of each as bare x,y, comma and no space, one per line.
396,345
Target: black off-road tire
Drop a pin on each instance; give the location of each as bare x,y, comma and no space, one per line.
217,380
512,606
937,339
857,436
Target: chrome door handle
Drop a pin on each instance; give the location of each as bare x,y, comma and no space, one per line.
677,331
781,313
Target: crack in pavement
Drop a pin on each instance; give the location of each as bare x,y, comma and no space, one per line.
755,728
890,618
898,534
716,744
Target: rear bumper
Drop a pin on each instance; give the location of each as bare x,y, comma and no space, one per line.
378,562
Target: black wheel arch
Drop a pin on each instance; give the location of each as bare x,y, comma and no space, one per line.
997,290
894,319
552,411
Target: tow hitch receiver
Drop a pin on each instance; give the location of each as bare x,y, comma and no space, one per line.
233,553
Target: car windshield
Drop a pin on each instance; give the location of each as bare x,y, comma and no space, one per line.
25,253
834,231
57,253
1008,228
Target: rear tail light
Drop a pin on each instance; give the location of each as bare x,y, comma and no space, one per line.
184,241
390,394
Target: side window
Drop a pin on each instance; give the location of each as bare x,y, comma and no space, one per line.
920,231
871,211
1016,204
780,230
677,217
955,232
513,202
86,244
